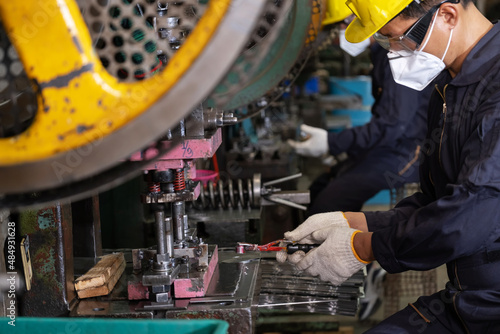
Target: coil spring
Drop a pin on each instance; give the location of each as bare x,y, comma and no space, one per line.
229,194
154,187
179,180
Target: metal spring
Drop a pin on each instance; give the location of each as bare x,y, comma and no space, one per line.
154,187
232,193
179,181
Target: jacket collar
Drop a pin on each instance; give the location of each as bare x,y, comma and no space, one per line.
483,57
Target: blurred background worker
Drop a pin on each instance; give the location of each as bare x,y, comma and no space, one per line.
383,153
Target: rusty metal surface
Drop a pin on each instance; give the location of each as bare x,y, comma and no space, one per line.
51,239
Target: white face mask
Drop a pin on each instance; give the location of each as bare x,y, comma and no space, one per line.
354,49
418,70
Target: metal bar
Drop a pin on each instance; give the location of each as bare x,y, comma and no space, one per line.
160,232
299,303
283,179
288,203
296,196
178,212
169,236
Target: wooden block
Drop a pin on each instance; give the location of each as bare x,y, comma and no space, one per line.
101,279
101,272
346,330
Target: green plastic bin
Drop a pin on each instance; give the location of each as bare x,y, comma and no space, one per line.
28,325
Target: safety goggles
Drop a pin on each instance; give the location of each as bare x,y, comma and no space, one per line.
412,38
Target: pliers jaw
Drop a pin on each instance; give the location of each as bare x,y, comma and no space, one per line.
274,246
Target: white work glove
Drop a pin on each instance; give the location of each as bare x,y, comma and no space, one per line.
334,260
316,146
302,234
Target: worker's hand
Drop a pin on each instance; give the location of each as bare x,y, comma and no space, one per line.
304,233
315,146
334,260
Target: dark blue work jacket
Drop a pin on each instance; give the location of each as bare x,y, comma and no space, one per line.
398,121
456,218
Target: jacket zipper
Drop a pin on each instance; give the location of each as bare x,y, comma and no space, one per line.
458,314
445,111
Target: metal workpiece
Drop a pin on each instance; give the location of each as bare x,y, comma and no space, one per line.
283,287
91,143
230,296
156,278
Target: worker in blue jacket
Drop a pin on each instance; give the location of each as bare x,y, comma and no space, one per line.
455,220
382,154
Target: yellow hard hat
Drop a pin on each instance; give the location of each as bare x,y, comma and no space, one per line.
371,15
336,11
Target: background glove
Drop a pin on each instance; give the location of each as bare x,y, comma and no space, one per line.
316,146
335,259
303,233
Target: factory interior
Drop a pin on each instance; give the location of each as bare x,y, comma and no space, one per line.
146,175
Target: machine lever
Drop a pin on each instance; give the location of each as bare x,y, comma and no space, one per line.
283,179
278,200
